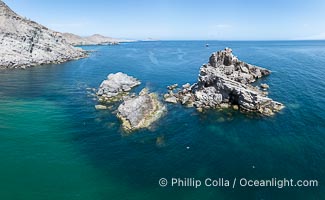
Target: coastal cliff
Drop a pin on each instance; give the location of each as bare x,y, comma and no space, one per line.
25,43
225,82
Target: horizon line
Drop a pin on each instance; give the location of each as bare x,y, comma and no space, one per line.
235,40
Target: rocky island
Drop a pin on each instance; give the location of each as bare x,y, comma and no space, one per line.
140,111
25,43
115,87
225,82
135,112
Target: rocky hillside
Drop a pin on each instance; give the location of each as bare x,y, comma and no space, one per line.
25,43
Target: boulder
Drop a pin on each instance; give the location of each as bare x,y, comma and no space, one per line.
171,99
116,86
264,86
100,107
172,87
140,111
186,86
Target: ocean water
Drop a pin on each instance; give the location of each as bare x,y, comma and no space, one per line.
55,145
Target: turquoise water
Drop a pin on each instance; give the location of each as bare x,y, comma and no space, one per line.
55,145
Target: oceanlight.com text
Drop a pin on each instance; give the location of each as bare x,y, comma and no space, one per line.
236,182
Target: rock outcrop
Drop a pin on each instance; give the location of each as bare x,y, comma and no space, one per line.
140,111
135,112
115,87
25,43
95,39
225,82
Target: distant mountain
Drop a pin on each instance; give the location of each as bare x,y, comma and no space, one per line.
99,39
149,39
73,39
95,39
25,43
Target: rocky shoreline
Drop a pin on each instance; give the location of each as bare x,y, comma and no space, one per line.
25,43
225,82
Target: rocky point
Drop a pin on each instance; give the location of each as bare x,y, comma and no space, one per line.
25,43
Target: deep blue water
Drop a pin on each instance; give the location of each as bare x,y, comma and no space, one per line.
55,145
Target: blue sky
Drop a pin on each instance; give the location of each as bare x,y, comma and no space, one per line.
181,19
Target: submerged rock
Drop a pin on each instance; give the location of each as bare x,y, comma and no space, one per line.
225,81
140,111
171,99
265,86
116,87
186,86
100,107
160,141
172,87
